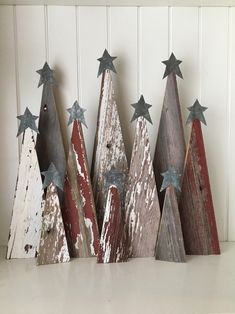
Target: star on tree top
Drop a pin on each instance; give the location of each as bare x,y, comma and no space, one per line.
76,113
172,66
106,62
171,177
52,176
46,75
27,120
141,110
196,113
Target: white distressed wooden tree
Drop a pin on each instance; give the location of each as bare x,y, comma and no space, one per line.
28,202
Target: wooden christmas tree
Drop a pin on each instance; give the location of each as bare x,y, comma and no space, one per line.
80,215
170,243
142,206
27,210
196,205
113,236
170,146
109,148
53,244
49,144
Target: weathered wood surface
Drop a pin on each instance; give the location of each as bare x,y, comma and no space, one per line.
170,147
142,206
170,243
196,204
80,215
53,244
28,203
112,240
49,144
109,148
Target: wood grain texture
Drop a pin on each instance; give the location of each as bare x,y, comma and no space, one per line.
28,203
80,215
53,244
109,150
142,206
112,240
170,147
170,243
196,204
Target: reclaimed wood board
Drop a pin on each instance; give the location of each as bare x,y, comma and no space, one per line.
170,147
170,243
28,203
142,206
53,244
196,204
80,215
109,150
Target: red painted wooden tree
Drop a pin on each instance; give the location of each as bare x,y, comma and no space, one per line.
196,204
80,215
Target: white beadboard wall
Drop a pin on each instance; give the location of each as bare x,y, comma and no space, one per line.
72,38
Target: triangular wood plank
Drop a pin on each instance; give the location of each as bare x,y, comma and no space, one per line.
196,204
109,148
28,203
53,244
170,243
142,206
170,147
80,216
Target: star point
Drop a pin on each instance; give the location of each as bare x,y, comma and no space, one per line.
106,62
27,120
172,66
51,175
141,110
76,113
171,177
196,113
46,75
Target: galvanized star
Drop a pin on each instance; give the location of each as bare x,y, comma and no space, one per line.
141,110
171,177
115,177
196,113
27,120
76,113
106,62
172,66
52,176
46,75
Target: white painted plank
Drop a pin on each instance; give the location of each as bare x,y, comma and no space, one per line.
214,80
153,37
92,40
8,125
123,44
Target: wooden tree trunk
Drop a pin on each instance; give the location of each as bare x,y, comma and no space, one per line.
53,244
112,241
170,147
142,206
109,148
170,243
196,205
28,203
80,216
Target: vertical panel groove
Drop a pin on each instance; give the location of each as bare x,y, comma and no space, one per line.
169,30
108,25
79,89
139,53
46,33
200,52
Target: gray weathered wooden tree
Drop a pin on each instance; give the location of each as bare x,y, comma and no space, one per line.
196,204
170,243
28,201
53,244
170,147
142,206
80,214
109,150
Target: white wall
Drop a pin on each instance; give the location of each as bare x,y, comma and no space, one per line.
72,38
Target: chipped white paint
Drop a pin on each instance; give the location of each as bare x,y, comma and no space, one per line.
27,210
89,226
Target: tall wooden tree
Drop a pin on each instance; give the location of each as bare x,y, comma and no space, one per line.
109,150
53,244
196,204
142,206
170,147
49,144
80,215
26,218
170,243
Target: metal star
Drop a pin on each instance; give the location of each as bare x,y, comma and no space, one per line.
52,176
27,120
76,113
196,113
46,75
106,62
141,110
171,177
172,66
115,177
